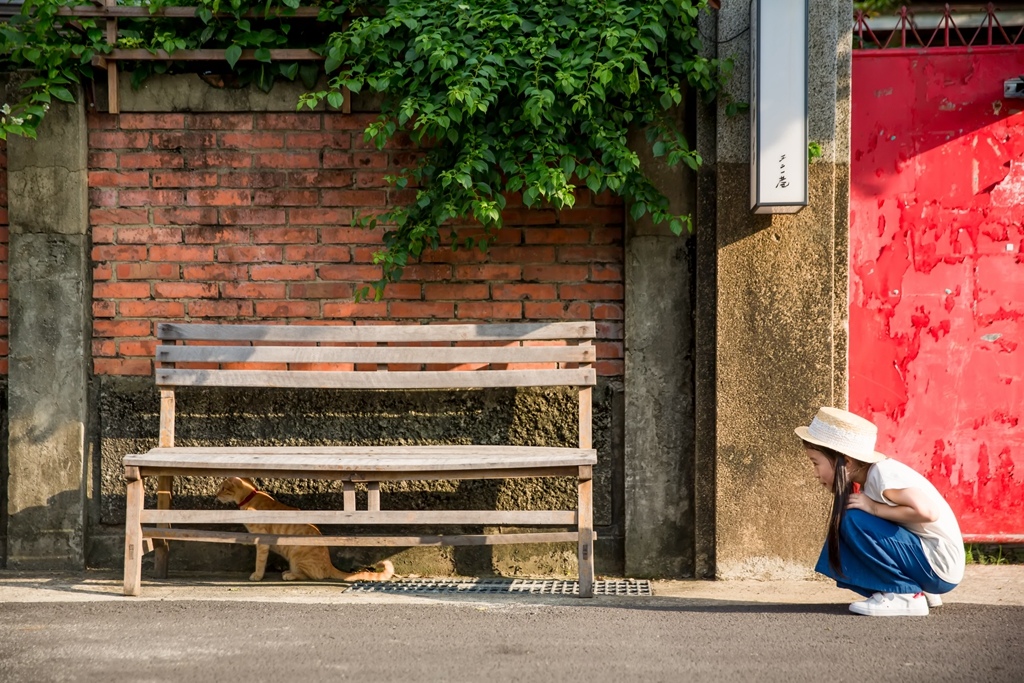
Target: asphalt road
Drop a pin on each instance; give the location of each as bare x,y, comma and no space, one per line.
508,639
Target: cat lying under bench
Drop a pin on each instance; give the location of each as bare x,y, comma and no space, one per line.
304,561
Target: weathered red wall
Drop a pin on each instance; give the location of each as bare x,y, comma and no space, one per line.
936,272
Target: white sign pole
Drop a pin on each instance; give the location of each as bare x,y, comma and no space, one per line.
778,106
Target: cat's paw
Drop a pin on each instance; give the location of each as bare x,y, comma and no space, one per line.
288,576
256,576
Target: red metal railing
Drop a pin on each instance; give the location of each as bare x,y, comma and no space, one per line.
908,32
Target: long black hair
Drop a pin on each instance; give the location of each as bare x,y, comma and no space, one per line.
842,486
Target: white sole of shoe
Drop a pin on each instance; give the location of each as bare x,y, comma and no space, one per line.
867,611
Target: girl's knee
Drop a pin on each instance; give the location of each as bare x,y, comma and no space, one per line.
858,517
856,522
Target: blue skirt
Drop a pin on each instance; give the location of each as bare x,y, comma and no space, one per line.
879,556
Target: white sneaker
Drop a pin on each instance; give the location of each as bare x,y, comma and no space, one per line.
933,600
892,605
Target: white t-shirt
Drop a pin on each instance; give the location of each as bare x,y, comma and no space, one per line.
943,545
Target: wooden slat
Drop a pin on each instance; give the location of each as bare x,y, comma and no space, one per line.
300,379
373,496
453,450
164,500
133,533
113,97
166,418
376,354
283,55
585,528
362,477
175,12
359,541
586,412
586,424
348,496
364,459
481,517
378,333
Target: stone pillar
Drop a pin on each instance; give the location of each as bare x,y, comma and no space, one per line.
776,307
48,379
659,405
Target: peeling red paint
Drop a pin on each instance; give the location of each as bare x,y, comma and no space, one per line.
937,272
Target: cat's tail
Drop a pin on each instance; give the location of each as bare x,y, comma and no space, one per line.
385,570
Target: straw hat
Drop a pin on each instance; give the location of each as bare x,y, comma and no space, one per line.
844,432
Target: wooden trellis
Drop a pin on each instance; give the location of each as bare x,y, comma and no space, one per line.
109,11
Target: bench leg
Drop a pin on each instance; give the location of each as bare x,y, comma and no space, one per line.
133,533
164,498
585,526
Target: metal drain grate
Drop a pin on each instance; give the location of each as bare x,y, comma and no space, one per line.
498,586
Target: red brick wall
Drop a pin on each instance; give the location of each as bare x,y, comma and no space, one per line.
4,241
247,217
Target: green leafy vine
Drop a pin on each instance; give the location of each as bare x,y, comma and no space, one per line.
503,97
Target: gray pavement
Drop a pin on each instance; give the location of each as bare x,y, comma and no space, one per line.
65,627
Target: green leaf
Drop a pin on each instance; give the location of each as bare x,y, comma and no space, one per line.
290,71
232,54
568,166
530,196
335,99
62,94
262,55
308,72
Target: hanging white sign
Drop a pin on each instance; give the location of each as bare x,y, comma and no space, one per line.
778,106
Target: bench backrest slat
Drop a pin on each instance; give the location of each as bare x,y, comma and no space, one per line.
372,357
376,354
376,380
378,333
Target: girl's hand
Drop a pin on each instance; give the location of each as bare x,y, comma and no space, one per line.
858,501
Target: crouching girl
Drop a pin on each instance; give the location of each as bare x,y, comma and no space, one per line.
896,541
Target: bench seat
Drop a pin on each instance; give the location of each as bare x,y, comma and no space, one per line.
356,459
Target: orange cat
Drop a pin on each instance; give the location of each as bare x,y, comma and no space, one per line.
305,561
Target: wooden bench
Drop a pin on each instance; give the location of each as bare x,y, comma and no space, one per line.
372,357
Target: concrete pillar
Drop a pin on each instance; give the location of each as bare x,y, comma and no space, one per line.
48,378
773,297
659,405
